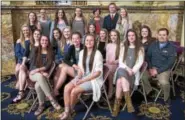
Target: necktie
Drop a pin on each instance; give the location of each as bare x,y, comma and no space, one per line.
112,16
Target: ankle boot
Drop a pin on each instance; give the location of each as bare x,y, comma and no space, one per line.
116,109
128,100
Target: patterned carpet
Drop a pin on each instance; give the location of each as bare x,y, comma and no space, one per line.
151,111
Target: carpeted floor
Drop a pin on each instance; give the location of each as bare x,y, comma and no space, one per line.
159,111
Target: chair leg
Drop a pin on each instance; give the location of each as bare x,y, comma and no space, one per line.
158,95
144,92
88,110
28,96
32,106
107,99
173,87
83,102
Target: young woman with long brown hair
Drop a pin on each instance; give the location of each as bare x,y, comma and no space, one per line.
40,62
127,75
89,76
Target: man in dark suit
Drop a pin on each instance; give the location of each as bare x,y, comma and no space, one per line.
111,19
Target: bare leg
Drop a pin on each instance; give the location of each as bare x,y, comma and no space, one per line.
74,95
17,68
66,70
67,95
22,78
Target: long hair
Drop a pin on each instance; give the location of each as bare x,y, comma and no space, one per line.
63,41
92,54
106,37
82,16
149,37
127,43
57,19
59,42
22,37
33,34
126,17
36,20
117,43
49,56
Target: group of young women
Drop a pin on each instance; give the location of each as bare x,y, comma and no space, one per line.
79,53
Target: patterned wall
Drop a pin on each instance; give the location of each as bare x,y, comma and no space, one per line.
13,19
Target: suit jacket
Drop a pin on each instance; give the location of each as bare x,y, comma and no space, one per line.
110,24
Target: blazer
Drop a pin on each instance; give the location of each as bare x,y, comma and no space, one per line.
70,58
97,66
110,24
136,67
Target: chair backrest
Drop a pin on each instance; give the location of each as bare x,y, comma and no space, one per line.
143,69
106,72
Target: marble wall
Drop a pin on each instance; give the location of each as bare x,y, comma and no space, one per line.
13,17
7,44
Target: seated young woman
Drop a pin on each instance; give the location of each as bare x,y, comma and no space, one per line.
40,62
69,65
89,78
22,51
127,75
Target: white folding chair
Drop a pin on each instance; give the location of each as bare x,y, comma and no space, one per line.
106,72
32,91
143,92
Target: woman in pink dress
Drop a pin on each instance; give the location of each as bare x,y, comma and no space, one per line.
112,54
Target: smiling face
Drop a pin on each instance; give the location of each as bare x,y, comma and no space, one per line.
102,35
25,31
66,33
60,14
97,13
131,37
36,35
56,34
162,36
112,8
76,39
91,28
123,13
42,13
113,36
44,42
32,17
144,32
78,12
89,42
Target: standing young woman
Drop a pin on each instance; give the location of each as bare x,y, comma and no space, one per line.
69,65
22,50
78,22
112,55
60,21
89,78
40,63
97,20
33,21
102,42
123,24
127,75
